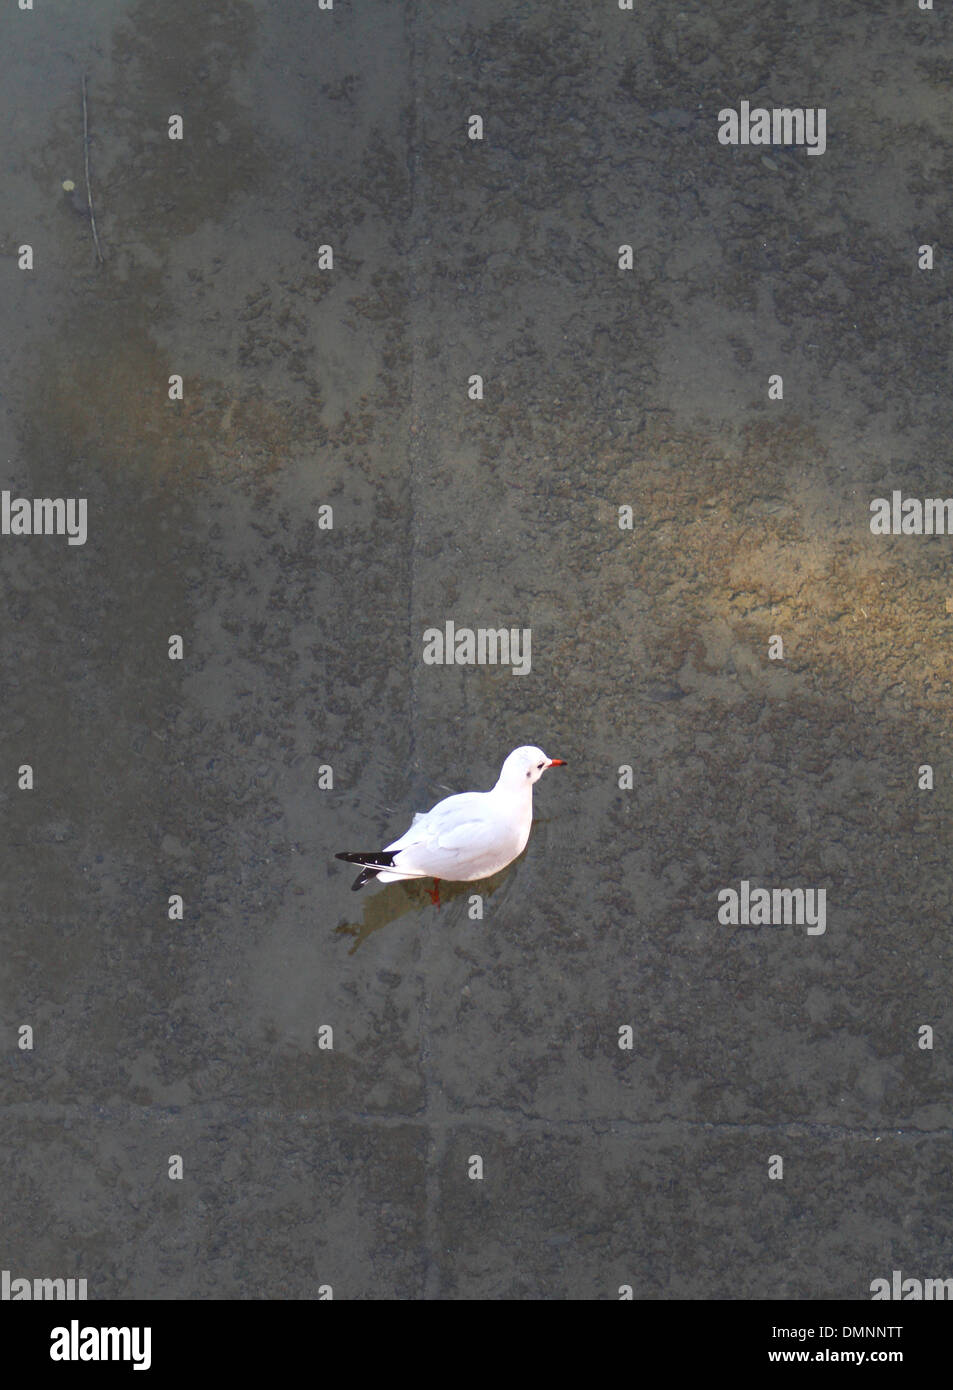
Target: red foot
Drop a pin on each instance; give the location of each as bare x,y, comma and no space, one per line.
435,892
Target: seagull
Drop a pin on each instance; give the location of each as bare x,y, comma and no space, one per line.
464,837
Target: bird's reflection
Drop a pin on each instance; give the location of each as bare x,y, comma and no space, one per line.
396,900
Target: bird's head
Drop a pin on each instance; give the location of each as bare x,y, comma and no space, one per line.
526,765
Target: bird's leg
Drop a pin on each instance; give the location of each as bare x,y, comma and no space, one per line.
435,892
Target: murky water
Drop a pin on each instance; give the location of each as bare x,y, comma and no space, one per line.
604,388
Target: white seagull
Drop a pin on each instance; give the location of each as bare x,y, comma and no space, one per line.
464,837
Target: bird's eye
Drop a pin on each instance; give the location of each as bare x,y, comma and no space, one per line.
539,764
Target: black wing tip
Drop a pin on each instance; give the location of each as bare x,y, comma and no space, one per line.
382,859
366,875
371,864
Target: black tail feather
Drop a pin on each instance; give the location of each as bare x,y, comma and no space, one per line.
382,860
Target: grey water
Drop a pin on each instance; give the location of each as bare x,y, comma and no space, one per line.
351,387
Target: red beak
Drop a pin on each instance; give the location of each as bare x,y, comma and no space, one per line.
557,762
